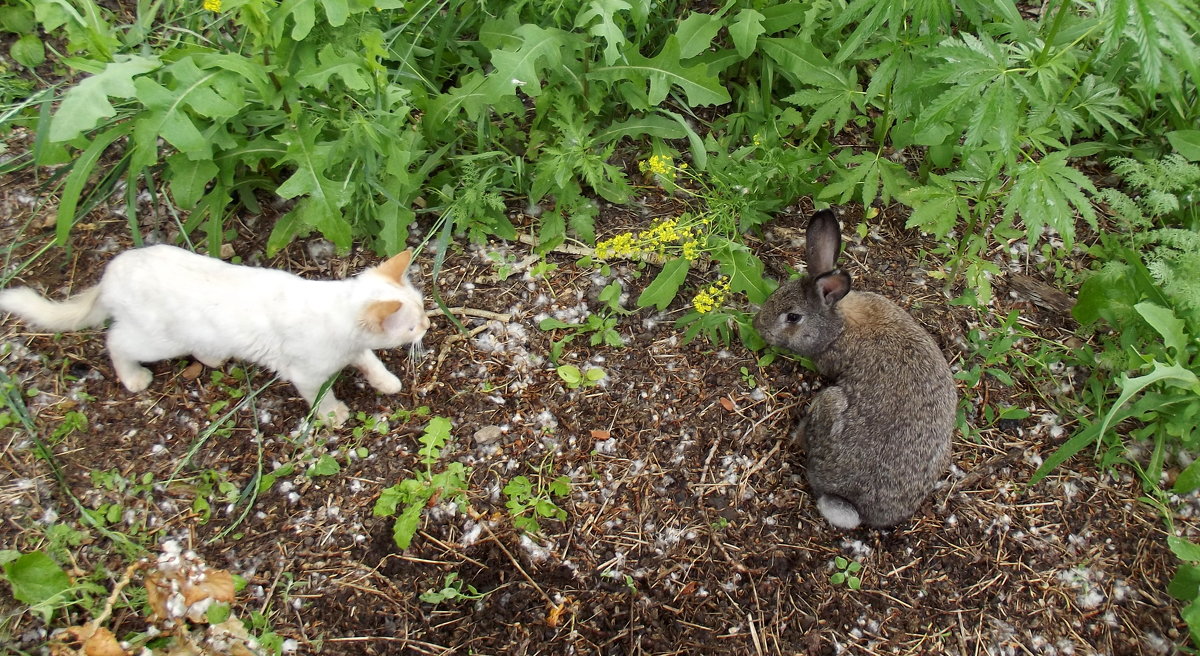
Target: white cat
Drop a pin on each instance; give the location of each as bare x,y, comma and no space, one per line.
166,302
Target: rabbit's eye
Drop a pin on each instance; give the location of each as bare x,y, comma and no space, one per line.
792,317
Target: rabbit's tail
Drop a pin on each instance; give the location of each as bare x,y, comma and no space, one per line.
838,511
79,311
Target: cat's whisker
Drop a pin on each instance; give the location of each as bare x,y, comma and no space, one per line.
417,351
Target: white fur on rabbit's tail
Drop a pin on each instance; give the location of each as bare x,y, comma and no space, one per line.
839,512
77,312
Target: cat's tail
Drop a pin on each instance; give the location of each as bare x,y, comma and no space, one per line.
77,312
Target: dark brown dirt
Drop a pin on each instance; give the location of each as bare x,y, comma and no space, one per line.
688,530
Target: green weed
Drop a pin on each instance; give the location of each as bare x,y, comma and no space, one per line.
575,378
415,493
531,499
453,589
847,573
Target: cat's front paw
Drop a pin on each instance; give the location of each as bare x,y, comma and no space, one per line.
388,384
137,380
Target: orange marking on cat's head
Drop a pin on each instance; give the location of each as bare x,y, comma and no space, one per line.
395,268
377,311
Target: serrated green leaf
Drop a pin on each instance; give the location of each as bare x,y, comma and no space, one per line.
405,526
1172,328
86,103
345,65
165,117
745,271
657,75
540,49
655,126
696,33
745,30
937,207
606,27
1049,192
189,178
1174,374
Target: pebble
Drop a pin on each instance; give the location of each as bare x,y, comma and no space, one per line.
487,435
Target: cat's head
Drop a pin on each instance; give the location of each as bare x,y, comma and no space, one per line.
396,314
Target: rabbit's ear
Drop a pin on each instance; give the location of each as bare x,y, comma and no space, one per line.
823,243
832,286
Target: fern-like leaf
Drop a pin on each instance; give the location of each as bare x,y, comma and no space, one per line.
1049,192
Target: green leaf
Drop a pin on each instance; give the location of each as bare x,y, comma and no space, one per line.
346,65
696,33
1172,328
304,15
570,374
655,126
17,19
1049,192
406,524
658,74
86,103
437,433
745,271
606,28
540,49
1185,585
189,178
28,51
1173,374
1184,549
662,290
1188,479
326,465
937,207
745,30
165,117
81,171
1186,143
322,207
36,579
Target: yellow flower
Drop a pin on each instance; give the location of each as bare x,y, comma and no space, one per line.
622,245
691,250
213,5
661,165
711,297
757,140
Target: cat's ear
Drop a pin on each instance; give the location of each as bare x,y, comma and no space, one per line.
395,268
377,312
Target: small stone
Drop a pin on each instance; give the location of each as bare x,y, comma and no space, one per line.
227,251
487,435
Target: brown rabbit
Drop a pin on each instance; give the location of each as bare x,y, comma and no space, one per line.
878,438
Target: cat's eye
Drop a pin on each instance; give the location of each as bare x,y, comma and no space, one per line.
792,317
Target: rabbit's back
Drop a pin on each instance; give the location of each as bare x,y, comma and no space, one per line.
892,439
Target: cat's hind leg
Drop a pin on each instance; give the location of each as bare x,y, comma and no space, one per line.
125,349
377,374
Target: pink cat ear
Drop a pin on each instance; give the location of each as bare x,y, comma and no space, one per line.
395,267
377,312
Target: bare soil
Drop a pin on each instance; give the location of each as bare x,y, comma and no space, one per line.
689,528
